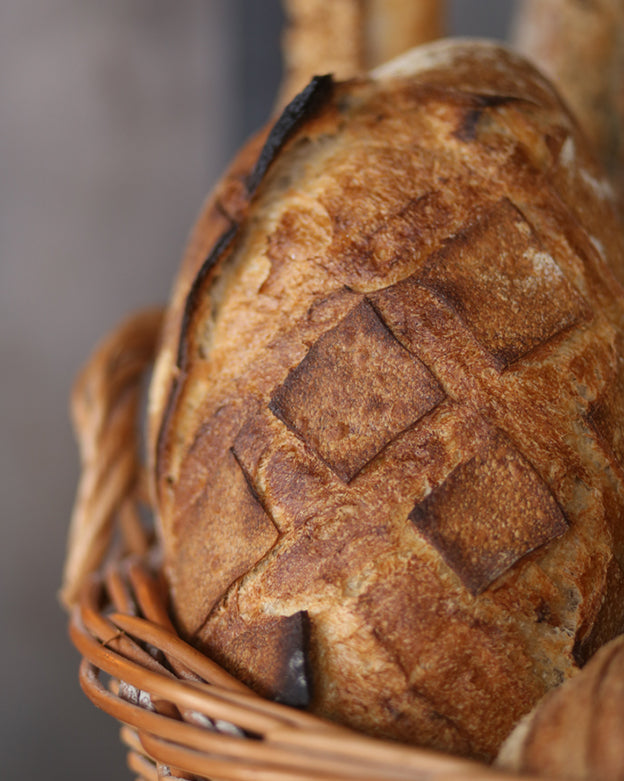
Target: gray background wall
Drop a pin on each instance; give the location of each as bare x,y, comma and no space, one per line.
115,118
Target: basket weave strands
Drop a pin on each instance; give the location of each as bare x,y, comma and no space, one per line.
183,716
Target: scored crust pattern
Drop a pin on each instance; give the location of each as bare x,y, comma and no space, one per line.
489,513
347,404
502,283
355,390
227,500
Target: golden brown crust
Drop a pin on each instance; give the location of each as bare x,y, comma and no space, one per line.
396,409
400,391
496,489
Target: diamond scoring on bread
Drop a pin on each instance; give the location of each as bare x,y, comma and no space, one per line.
500,280
354,391
479,537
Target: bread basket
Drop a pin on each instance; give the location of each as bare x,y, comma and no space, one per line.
183,716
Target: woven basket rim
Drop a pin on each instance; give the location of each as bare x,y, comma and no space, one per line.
183,712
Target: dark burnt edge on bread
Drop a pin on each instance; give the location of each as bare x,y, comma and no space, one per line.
222,245
298,684
271,656
300,109
224,242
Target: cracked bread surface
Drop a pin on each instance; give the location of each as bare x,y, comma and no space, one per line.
385,422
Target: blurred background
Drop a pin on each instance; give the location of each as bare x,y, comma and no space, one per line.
116,118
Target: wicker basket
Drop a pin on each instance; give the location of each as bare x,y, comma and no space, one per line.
183,715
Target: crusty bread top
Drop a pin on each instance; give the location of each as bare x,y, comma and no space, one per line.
385,420
533,133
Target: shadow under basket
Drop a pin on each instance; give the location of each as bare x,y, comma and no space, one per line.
183,716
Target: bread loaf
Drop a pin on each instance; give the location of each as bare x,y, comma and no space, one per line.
386,418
